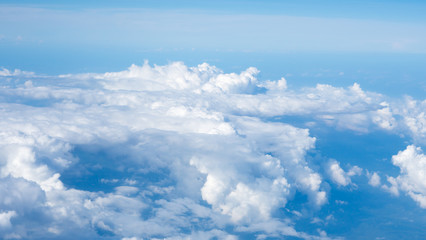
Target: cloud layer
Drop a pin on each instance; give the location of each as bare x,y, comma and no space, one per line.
175,151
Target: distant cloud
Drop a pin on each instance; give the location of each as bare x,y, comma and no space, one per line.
7,73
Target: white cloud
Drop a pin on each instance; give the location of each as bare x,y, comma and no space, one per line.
414,117
5,218
176,148
355,170
374,179
275,86
337,174
20,162
232,82
176,76
412,178
384,117
157,78
178,129
7,73
393,188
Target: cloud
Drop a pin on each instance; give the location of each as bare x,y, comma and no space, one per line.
175,76
7,73
413,113
171,152
374,179
412,180
5,218
151,121
355,170
272,86
232,93
337,174
20,162
384,117
22,204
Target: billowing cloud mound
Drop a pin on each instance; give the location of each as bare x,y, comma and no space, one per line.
170,152
412,178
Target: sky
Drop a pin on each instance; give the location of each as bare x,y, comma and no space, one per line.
212,119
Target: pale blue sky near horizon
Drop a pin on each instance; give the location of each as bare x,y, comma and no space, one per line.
238,26
362,40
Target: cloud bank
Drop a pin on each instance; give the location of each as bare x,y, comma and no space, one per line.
177,152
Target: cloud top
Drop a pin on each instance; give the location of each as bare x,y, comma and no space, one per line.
174,151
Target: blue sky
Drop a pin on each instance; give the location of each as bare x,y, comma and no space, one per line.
378,39
212,120
251,26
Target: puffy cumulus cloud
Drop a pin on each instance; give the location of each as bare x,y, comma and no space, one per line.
157,78
345,108
413,114
339,176
248,187
20,162
23,209
289,145
275,86
175,76
374,179
384,117
350,108
170,152
243,82
354,171
412,178
20,196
